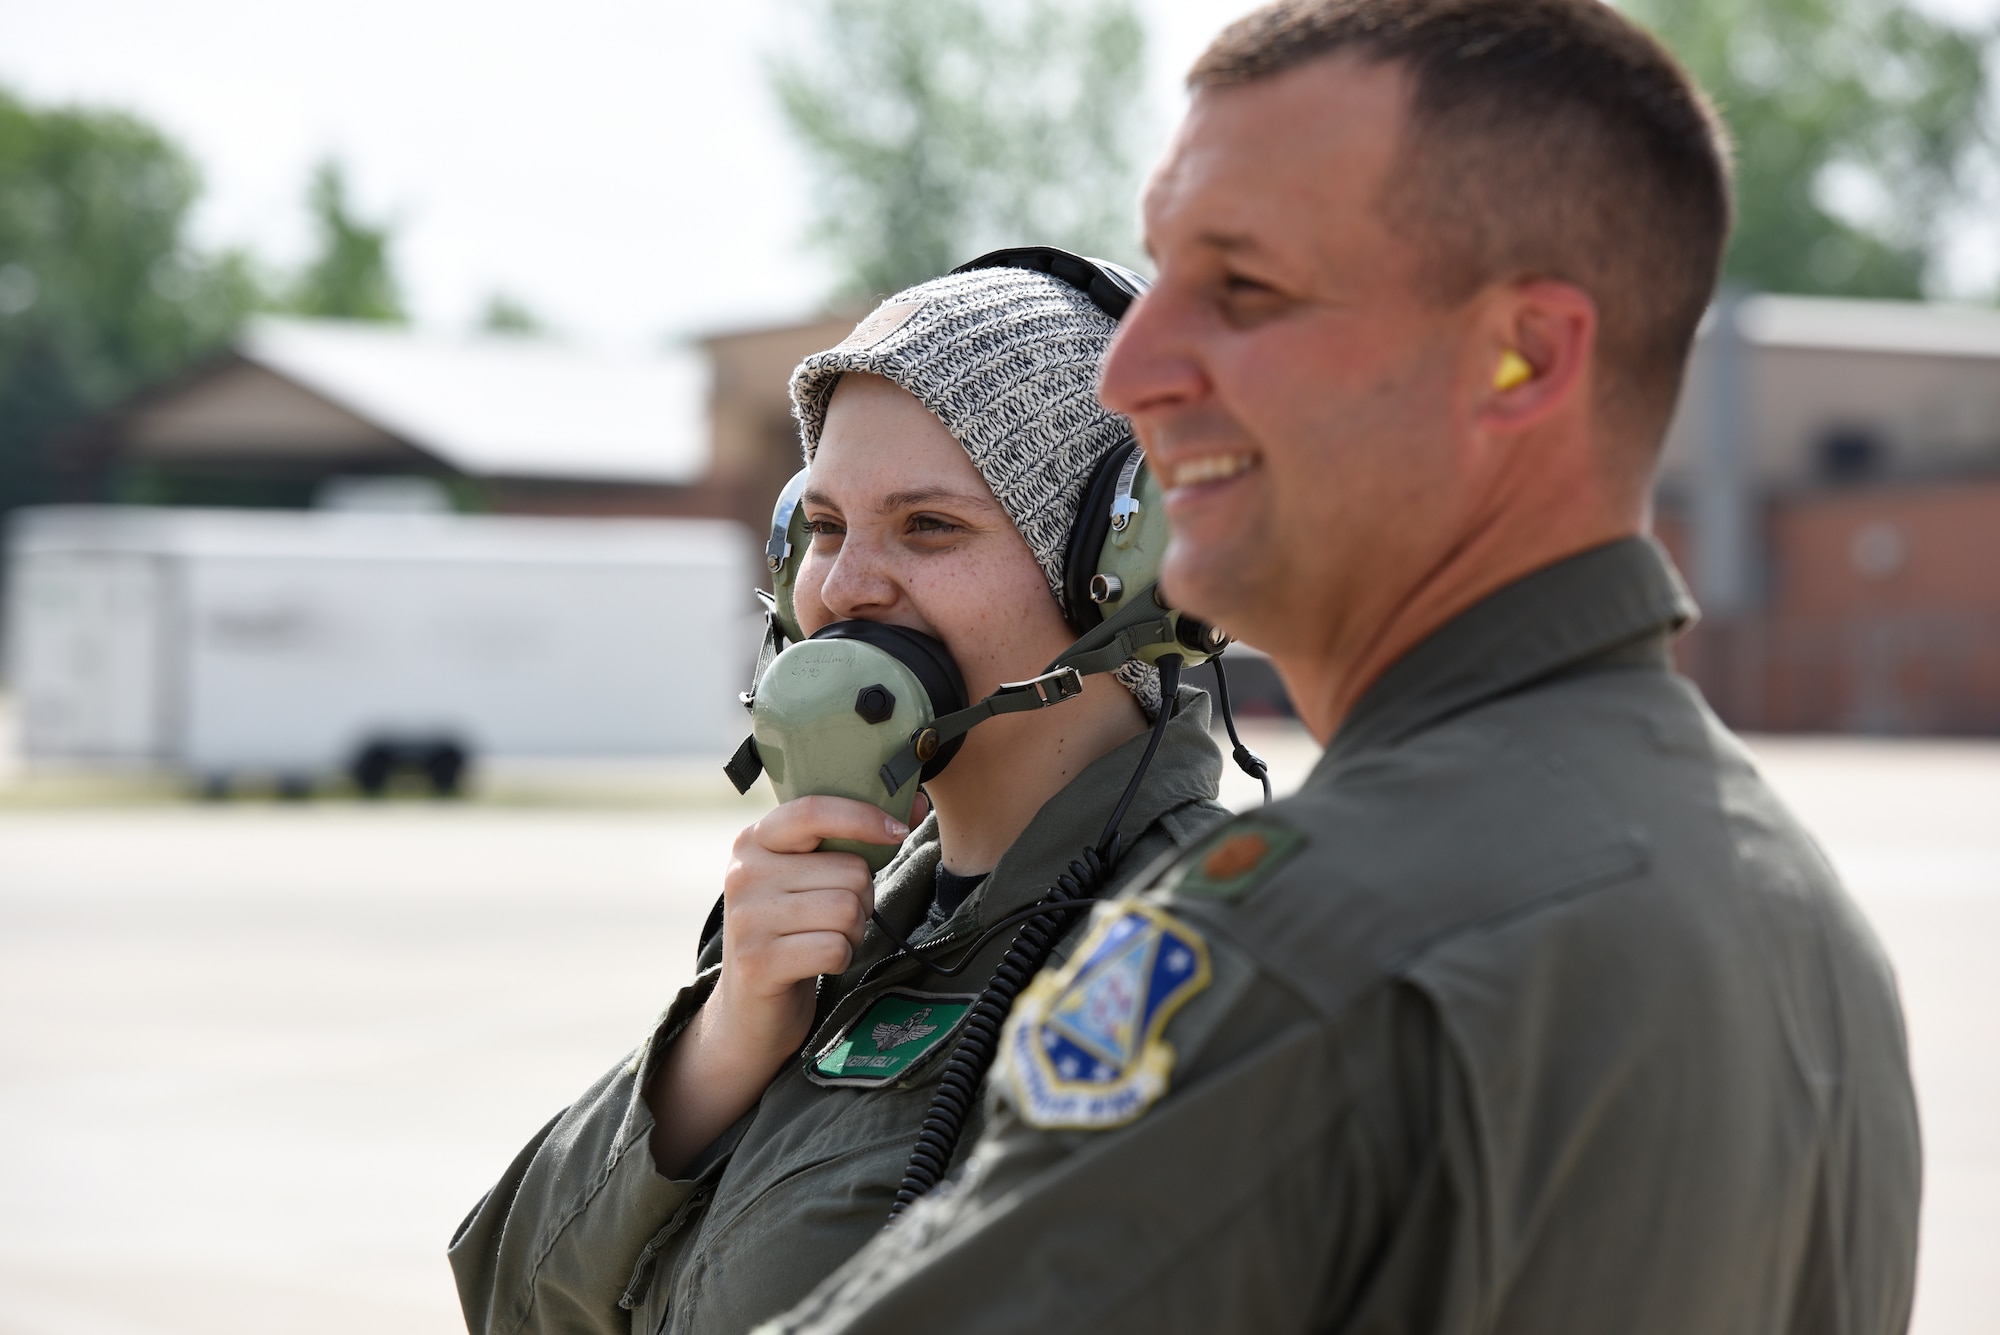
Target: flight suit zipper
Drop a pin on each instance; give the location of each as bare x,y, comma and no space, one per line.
644,1269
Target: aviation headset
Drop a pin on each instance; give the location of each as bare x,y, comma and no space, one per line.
867,710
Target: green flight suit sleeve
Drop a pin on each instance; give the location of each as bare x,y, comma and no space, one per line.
1302,1175
570,1237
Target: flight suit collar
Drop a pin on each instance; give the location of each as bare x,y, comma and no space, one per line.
1611,597
1187,769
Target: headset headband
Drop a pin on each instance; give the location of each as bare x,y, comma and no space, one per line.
1112,288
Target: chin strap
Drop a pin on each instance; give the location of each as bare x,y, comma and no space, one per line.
1140,624
1013,697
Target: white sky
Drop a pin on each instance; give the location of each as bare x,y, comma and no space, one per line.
615,164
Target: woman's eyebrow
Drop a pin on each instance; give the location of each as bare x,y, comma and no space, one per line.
900,500
903,500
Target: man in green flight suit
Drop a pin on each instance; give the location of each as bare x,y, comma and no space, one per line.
1534,1010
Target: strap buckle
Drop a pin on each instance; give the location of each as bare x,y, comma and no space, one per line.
1012,697
1051,688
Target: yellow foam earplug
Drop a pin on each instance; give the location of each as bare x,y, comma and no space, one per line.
1514,370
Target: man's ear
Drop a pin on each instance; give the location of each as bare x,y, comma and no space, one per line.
1539,346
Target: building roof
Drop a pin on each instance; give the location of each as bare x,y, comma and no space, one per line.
268,535
503,406
1838,324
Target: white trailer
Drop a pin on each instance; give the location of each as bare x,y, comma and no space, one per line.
293,646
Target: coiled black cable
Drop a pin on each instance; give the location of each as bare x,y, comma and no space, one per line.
1246,760
972,1056
979,1042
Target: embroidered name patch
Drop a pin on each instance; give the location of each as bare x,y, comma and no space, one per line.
1084,1048
890,1036
1235,861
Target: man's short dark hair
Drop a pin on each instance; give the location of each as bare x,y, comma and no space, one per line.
1547,138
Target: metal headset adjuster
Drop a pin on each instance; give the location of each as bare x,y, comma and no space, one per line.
778,548
1123,507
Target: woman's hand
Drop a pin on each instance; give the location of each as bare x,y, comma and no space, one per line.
789,914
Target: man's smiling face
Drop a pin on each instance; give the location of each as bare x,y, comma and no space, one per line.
1291,382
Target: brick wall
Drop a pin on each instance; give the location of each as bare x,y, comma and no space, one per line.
1881,614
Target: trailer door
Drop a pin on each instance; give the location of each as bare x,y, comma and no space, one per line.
89,659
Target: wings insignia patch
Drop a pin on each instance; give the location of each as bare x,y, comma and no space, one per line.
889,1036
897,1029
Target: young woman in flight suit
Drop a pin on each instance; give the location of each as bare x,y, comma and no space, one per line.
758,1138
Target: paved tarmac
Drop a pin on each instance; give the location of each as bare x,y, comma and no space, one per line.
257,1060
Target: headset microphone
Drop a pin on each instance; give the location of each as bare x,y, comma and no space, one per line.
867,710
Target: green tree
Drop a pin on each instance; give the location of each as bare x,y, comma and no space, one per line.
939,128
1859,126
504,314
351,278
101,290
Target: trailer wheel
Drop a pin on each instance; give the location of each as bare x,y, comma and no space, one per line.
372,768
444,766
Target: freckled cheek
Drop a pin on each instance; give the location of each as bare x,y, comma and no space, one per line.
993,616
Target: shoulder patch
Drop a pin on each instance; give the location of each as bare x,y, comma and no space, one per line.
891,1034
1084,1048
1237,859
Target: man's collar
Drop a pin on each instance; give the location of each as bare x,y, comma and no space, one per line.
1559,616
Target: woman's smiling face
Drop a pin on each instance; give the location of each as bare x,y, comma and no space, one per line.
905,531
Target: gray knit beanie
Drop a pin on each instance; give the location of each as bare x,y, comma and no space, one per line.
1008,360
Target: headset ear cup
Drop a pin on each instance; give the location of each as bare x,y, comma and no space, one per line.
1087,537
926,658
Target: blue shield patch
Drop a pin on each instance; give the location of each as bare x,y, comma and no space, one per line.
1083,1048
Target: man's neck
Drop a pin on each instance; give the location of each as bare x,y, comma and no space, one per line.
1326,686
1012,765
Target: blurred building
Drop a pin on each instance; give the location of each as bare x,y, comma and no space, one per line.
1831,483
301,413
1832,486
753,441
